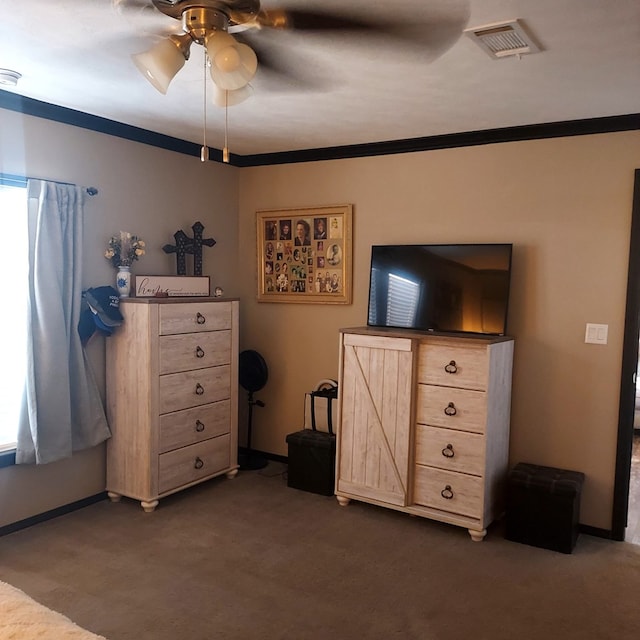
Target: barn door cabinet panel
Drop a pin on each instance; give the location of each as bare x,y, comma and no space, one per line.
424,424
172,396
376,417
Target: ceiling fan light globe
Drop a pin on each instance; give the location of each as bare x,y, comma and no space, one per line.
218,40
248,59
228,81
223,98
160,64
241,75
227,59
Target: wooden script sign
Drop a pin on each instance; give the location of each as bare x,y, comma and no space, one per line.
179,286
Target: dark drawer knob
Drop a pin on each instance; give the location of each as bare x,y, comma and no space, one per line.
447,493
452,367
200,319
199,352
199,389
198,464
450,409
448,451
199,426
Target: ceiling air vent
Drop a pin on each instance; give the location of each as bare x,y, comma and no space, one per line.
503,39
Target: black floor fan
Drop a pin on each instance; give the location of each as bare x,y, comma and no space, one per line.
253,376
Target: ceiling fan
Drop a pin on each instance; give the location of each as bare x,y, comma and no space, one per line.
230,31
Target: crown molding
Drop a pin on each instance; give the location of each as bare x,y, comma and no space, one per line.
607,124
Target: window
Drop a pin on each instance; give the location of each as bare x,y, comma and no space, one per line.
403,301
13,319
402,298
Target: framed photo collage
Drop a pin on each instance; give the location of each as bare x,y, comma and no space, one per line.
304,255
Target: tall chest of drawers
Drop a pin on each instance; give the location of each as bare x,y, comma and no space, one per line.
172,396
424,424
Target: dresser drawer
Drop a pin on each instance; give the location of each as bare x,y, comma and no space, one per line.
187,351
452,366
194,316
182,428
451,450
194,388
448,491
451,408
192,463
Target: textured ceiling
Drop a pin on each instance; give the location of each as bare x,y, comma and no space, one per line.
339,89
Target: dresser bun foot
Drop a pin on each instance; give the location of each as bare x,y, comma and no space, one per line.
148,506
342,501
477,536
232,474
114,497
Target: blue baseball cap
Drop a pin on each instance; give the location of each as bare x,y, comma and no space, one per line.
86,324
105,304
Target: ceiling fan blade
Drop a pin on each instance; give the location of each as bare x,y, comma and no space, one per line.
137,6
424,30
310,20
432,32
145,19
278,71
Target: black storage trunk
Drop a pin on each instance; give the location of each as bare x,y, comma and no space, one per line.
312,461
543,506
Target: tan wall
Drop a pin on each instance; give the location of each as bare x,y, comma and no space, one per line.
143,190
565,204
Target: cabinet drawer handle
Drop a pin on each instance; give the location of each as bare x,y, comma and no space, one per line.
450,409
199,389
199,426
198,463
448,451
199,352
200,319
452,367
447,493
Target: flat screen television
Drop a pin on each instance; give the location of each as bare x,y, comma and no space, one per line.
449,288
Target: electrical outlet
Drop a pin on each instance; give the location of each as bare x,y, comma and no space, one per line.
596,333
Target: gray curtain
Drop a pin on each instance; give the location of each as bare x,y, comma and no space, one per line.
62,410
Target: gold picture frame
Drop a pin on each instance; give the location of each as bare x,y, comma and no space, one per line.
304,255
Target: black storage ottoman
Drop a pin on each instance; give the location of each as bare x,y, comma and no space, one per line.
543,506
312,461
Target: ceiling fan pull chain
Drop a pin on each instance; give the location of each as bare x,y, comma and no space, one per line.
204,152
225,151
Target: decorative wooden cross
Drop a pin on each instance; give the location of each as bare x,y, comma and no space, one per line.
195,247
181,248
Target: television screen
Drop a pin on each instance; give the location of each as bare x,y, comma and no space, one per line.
441,287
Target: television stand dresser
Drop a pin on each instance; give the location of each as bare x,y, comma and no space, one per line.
172,396
424,423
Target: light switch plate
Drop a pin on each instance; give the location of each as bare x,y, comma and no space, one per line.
596,333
